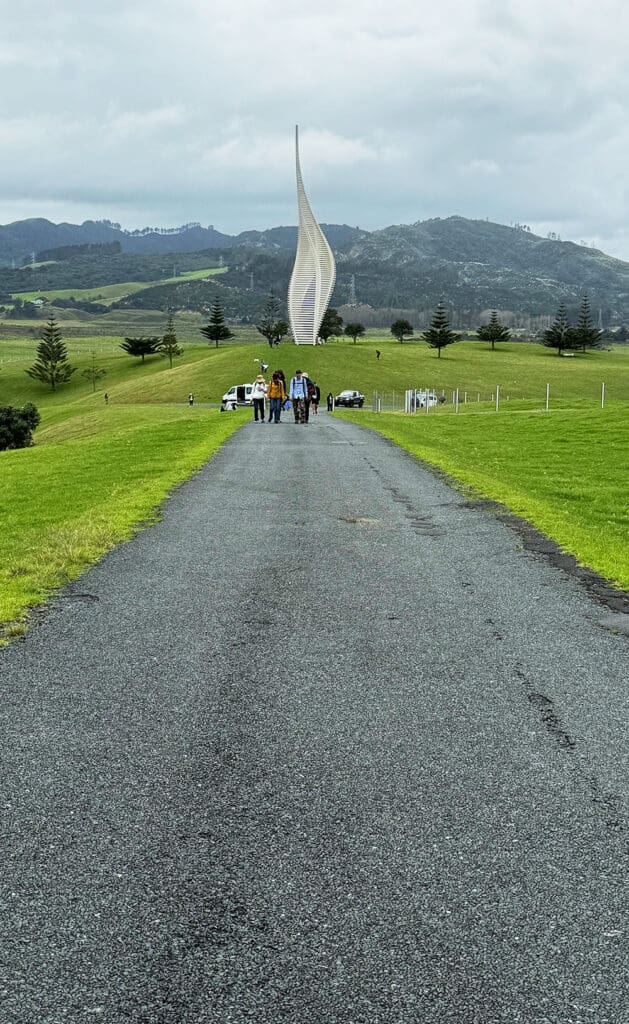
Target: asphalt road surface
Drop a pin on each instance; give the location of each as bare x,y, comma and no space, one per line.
324,745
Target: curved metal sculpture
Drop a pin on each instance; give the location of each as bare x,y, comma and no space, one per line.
314,272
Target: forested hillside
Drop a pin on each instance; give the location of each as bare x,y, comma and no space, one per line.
471,266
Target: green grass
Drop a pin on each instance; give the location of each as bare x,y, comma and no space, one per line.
86,486
108,293
567,471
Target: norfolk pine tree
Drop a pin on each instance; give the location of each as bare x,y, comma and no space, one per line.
94,372
217,330
52,366
585,334
560,334
168,345
493,331
270,319
439,334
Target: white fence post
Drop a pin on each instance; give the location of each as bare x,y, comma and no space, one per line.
547,396
602,396
456,402
497,396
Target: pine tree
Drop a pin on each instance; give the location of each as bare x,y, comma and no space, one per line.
269,320
585,334
217,330
94,373
52,366
439,334
493,331
560,334
168,345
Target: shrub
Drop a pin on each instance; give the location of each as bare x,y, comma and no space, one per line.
17,426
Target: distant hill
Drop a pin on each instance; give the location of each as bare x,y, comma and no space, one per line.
471,265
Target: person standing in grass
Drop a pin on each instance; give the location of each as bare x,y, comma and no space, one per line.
298,394
276,394
190,399
258,394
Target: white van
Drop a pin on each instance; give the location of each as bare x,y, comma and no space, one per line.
240,394
424,397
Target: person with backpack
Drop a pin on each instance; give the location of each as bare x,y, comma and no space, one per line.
315,397
276,394
298,395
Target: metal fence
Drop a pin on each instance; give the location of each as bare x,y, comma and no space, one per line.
424,400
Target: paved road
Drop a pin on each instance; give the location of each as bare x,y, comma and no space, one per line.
325,745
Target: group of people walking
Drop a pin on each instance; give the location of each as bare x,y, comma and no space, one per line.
302,395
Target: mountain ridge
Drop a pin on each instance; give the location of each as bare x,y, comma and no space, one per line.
470,265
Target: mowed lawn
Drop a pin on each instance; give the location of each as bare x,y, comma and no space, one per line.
86,485
566,471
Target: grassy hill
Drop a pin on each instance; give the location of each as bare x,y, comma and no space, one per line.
108,293
521,370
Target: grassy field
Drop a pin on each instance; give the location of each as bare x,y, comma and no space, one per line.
86,485
567,471
521,370
96,471
108,293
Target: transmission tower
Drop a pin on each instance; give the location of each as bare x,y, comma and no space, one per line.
352,291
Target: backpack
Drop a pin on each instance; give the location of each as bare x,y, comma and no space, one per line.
311,389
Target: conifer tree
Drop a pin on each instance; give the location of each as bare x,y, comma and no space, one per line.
217,330
269,320
52,365
560,334
585,334
493,331
141,346
439,334
94,373
168,345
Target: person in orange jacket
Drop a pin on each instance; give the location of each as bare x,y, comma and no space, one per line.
276,393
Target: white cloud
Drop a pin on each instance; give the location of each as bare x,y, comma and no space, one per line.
508,109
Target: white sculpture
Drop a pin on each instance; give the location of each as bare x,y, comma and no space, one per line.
314,272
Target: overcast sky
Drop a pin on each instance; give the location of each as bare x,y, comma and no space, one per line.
157,113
